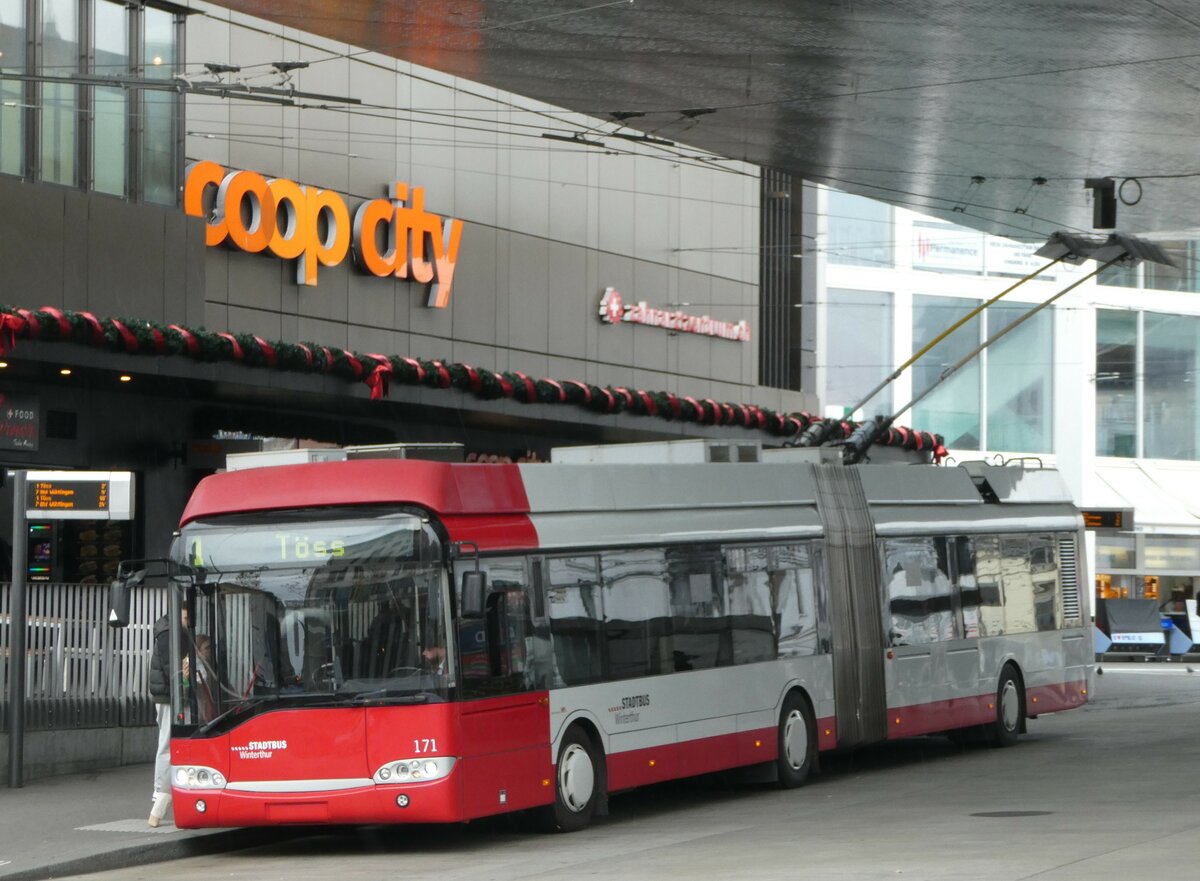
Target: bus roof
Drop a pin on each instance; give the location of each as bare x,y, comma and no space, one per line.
575,505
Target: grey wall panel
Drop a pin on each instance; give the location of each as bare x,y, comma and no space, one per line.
216,269
569,167
216,316
473,303
695,235
380,340
124,257
650,346
174,278
529,205
528,322
257,281
475,199
652,226
572,307
322,332
32,242
571,212
567,368
329,299
430,347
257,321
652,175
615,222
377,302
76,210
726,232
421,318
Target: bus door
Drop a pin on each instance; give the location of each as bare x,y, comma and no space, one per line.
505,716
921,628
963,662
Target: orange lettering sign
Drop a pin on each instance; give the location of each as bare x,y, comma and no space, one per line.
390,238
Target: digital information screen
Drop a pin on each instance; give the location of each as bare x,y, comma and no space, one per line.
1108,519
79,495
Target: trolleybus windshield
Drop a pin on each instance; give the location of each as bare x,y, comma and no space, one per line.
304,608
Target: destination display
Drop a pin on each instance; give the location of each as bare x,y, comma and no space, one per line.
79,495
67,495
1108,519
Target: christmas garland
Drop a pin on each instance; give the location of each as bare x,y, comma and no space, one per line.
378,372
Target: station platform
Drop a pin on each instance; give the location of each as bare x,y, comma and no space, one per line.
61,826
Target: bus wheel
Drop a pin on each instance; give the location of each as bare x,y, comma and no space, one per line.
579,781
797,741
1010,709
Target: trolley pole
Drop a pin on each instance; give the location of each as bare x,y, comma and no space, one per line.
17,661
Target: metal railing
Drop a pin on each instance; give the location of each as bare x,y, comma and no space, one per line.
81,673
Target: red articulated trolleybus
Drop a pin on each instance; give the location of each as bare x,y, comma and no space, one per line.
400,641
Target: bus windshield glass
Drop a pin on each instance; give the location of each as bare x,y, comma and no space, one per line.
326,608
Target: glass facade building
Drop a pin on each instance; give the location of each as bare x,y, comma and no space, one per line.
62,123
1104,384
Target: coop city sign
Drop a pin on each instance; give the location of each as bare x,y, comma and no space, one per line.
394,237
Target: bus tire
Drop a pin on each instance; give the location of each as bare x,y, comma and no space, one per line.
579,781
1010,709
797,741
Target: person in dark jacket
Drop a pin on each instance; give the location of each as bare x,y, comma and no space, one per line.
160,689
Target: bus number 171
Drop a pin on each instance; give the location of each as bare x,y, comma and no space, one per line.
429,745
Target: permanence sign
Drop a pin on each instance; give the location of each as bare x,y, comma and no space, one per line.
79,495
394,237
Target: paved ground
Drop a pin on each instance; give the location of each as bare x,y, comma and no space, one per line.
1106,792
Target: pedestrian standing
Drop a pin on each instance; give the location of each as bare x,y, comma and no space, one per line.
160,691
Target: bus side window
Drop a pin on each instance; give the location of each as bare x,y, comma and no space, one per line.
494,649
701,631
968,586
793,600
1016,575
749,604
985,551
573,605
637,613
1043,565
919,592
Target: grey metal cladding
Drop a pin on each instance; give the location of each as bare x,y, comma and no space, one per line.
1015,484
564,529
658,487
890,484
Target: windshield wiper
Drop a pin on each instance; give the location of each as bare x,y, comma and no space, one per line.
383,694
237,708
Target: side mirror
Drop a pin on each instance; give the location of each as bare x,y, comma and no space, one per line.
118,596
474,589
118,603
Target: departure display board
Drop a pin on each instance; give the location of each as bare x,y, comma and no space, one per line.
79,495
1108,519
67,495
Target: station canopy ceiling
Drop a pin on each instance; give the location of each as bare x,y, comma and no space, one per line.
989,114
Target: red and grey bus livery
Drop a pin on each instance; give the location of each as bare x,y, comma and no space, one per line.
394,641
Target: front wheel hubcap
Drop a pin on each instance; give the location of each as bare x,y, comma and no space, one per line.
795,740
576,778
1009,705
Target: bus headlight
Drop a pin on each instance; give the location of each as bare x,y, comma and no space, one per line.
196,777
415,770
